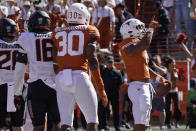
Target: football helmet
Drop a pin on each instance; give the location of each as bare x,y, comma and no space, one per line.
133,28
39,22
78,14
8,29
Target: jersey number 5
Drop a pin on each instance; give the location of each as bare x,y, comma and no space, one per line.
66,44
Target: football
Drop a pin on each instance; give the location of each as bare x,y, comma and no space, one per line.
162,89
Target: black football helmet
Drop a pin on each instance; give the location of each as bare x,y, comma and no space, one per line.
8,29
39,22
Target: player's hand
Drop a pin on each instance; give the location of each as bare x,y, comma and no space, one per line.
154,24
103,97
18,101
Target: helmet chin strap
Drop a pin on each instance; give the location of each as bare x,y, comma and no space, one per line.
40,31
73,24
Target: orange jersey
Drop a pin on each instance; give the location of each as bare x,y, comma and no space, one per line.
71,43
137,64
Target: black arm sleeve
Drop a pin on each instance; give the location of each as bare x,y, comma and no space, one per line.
22,58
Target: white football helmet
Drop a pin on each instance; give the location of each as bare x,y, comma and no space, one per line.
132,28
78,14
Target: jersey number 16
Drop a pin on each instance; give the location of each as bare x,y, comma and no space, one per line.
44,50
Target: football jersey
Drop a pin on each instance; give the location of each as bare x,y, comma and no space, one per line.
8,53
38,48
137,64
71,43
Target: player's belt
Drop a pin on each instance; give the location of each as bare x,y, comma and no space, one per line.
145,80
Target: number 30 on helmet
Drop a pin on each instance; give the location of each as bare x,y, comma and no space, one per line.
132,28
78,14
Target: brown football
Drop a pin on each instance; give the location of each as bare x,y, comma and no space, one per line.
162,89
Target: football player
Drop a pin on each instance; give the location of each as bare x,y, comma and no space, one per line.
37,52
75,51
8,53
136,39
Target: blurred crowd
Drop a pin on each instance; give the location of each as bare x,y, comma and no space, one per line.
173,16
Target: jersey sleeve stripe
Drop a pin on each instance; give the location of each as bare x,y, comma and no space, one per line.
128,44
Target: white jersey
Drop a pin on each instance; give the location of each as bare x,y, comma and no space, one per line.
8,52
38,48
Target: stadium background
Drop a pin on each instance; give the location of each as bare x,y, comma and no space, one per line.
144,10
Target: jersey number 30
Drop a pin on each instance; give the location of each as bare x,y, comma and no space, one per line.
67,43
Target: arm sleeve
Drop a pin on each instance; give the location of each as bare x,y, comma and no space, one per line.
22,42
94,32
125,45
20,68
19,78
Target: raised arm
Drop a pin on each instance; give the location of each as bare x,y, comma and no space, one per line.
186,50
145,41
181,39
141,46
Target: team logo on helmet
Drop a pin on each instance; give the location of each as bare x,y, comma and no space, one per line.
8,28
40,21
